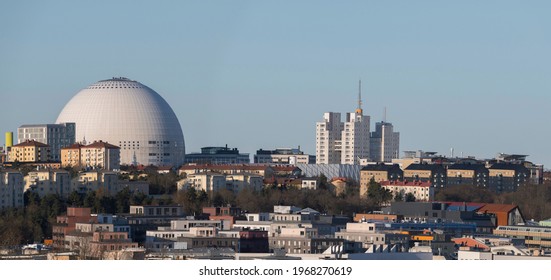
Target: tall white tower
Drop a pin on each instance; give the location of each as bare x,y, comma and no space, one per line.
344,143
328,136
355,136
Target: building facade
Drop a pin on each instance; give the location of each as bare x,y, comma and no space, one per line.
29,151
384,143
217,155
101,155
283,156
56,136
422,191
467,174
11,189
44,182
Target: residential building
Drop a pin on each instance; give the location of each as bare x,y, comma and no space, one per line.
44,182
142,218
468,174
345,142
56,136
507,177
283,156
378,172
253,241
262,170
368,235
95,180
384,143
101,155
456,219
66,224
421,191
71,156
534,236
310,183
206,181
11,189
339,185
217,155
418,156
29,151
505,214
213,182
104,242
328,139
433,173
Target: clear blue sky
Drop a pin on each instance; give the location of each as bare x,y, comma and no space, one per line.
472,75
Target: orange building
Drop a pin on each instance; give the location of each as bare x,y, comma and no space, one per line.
506,214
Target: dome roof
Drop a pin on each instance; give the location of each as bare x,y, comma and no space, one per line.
130,115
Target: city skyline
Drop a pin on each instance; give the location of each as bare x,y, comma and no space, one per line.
469,76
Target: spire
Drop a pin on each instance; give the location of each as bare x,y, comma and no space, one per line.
359,109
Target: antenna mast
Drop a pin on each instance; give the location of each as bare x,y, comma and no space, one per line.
359,110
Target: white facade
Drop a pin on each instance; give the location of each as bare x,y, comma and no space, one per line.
49,182
213,182
131,116
340,142
207,181
355,138
385,143
328,139
56,136
11,189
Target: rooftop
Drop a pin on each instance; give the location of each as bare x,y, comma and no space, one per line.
31,143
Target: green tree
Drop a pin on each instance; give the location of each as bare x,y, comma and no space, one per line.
377,194
410,197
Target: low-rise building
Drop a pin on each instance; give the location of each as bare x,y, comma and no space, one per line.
368,235
29,151
534,236
66,224
283,156
421,191
217,155
379,172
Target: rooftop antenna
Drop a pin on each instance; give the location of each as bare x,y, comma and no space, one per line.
384,115
359,110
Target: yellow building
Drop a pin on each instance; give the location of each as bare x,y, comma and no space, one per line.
29,151
379,173
100,155
71,156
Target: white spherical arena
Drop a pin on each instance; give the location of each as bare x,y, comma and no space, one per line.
130,115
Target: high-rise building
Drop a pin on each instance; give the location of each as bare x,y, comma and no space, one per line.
56,136
385,143
340,142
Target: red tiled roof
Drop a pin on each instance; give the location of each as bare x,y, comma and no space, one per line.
101,144
497,208
470,242
405,183
283,168
31,143
339,178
